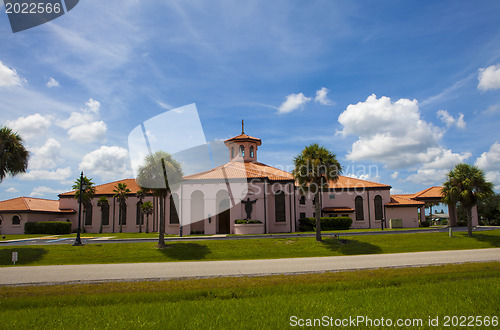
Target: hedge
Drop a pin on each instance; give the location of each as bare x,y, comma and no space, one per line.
327,223
246,221
48,227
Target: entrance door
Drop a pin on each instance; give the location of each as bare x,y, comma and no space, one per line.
223,219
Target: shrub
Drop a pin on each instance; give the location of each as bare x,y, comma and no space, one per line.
425,224
246,221
48,227
327,223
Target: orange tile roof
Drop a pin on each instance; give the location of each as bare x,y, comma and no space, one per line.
239,170
338,209
404,200
347,182
243,137
30,204
429,193
107,188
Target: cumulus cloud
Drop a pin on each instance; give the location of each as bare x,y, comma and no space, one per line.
46,156
449,120
31,126
322,96
395,175
9,77
110,163
489,78
43,190
12,190
52,83
86,114
428,176
489,162
293,102
88,132
60,174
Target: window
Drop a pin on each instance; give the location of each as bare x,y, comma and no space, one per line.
88,213
174,216
279,206
331,196
302,200
139,217
242,151
232,152
0,221
345,215
16,220
314,201
378,208
358,205
123,209
105,214
302,215
251,151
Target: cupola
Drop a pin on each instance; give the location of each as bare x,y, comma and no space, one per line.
243,147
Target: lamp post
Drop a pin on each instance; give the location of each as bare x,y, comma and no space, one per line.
83,186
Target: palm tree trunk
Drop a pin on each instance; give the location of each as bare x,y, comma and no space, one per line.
100,226
469,221
120,215
317,209
161,239
147,223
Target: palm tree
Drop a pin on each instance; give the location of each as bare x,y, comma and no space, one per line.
466,185
315,167
13,155
147,209
89,191
140,194
102,203
159,173
121,190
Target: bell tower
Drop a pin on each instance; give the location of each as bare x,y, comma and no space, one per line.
243,147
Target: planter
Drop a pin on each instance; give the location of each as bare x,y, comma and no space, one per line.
249,229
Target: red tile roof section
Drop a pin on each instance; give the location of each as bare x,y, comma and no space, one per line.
107,188
243,137
239,170
403,200
432,192
25,204
347,182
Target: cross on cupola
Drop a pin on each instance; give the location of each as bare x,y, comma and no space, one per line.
243,147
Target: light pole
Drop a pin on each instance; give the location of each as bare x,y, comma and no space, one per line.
83,186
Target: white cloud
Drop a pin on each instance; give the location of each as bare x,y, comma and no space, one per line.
293,102
428,176
88,132
31,126
87,114
322,96
110,163
60,174
12,190
489,78
46,156
52,83
42,190
395,175
449,120
9,77
165,106
489,162
445,159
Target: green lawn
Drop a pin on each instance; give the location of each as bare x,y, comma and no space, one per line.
260,302
245,248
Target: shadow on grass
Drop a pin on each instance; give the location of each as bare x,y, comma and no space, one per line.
185,251
350,246
493,240
26,255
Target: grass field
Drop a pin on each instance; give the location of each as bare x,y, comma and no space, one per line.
245,248
259,302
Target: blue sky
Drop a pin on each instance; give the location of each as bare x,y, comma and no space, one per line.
401,91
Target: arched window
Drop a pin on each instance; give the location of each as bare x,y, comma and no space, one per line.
358,205
279,206
232,152
379,214
242,151
105,214
174,216
139,217
251,151
88,213
123,207
314,200
302,200
16,220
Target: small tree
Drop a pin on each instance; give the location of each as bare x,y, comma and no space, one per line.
315,168
466,185
103,203
147,209
13,154
121,193
140,194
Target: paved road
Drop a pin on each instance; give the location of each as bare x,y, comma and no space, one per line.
27,275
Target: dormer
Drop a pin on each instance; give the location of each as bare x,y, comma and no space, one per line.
243,147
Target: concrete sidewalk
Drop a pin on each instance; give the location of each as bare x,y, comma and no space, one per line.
26,275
